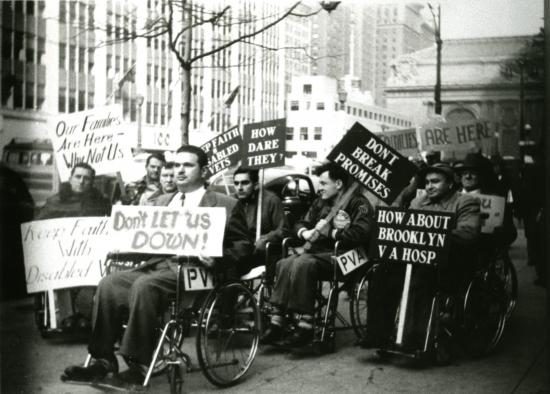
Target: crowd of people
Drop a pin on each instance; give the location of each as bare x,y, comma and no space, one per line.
144,291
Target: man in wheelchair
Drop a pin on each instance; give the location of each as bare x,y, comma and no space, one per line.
450,279
297,276
145,290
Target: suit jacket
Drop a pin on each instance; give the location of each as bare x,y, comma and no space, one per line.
236,243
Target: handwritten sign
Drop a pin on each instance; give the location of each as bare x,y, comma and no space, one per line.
351,260
95,137
223,151
65,252
380,168
411,236
455,136
492,212
403,141
164,230
264,144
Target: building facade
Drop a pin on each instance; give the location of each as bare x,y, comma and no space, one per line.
321,109
401,28
473,87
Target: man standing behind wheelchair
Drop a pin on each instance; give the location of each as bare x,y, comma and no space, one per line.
274,225
146,290
387,280
297,276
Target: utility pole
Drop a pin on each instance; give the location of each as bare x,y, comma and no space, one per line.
439,44
185,110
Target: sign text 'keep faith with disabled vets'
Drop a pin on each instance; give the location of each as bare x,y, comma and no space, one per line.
381,169
223,151
412,236
165,230
264,144
65,252
95,136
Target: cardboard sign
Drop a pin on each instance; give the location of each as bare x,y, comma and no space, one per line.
197,278
372,162
411,236
403,141
165,230
264,144
223,151
94,136
455,136
492,212
351,260
65,252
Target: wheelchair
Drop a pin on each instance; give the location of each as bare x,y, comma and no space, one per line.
327,319
474,320
224,318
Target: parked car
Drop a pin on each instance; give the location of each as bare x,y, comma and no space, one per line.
296,190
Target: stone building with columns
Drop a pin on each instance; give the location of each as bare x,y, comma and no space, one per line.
473,87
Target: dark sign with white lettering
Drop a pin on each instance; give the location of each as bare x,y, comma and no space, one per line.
412,236
380,168
223,150
264,144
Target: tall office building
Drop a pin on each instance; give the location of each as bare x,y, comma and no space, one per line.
400,29
343,43
67,56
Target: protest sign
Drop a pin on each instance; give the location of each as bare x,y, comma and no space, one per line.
223,151
403,141
264,144
64,252
372,162
165,230
492,212
440,135
351,260
94,136
411,236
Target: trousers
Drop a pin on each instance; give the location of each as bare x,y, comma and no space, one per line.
296,279
138,294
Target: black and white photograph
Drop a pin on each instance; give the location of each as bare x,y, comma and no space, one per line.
274,196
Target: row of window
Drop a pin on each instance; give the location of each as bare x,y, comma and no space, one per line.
309,154
376,116
304,133
295,105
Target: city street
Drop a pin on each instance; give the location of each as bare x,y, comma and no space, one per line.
31,364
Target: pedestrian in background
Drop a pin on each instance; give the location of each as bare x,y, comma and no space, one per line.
137,193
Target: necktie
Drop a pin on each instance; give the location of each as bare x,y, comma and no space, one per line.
182,199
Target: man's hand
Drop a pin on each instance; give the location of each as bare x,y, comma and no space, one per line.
207,261
310,235
341,220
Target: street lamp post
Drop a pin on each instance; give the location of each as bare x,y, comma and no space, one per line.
439,44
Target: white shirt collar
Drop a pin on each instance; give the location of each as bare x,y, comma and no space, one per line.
192,199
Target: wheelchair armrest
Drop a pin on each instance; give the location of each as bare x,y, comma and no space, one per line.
290,242
337,247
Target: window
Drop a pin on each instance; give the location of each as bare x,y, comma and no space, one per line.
311,155
321,106
294,106
303,133
307,89
317,133
289,133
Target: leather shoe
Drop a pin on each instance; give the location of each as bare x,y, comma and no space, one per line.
273,334
130,380
300,337
95,371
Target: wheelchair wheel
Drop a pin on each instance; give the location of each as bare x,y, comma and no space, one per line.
174,339
172,360
505,269
264,294
228,334
358,307
485,308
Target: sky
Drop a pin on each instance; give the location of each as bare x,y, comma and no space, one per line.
484,18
